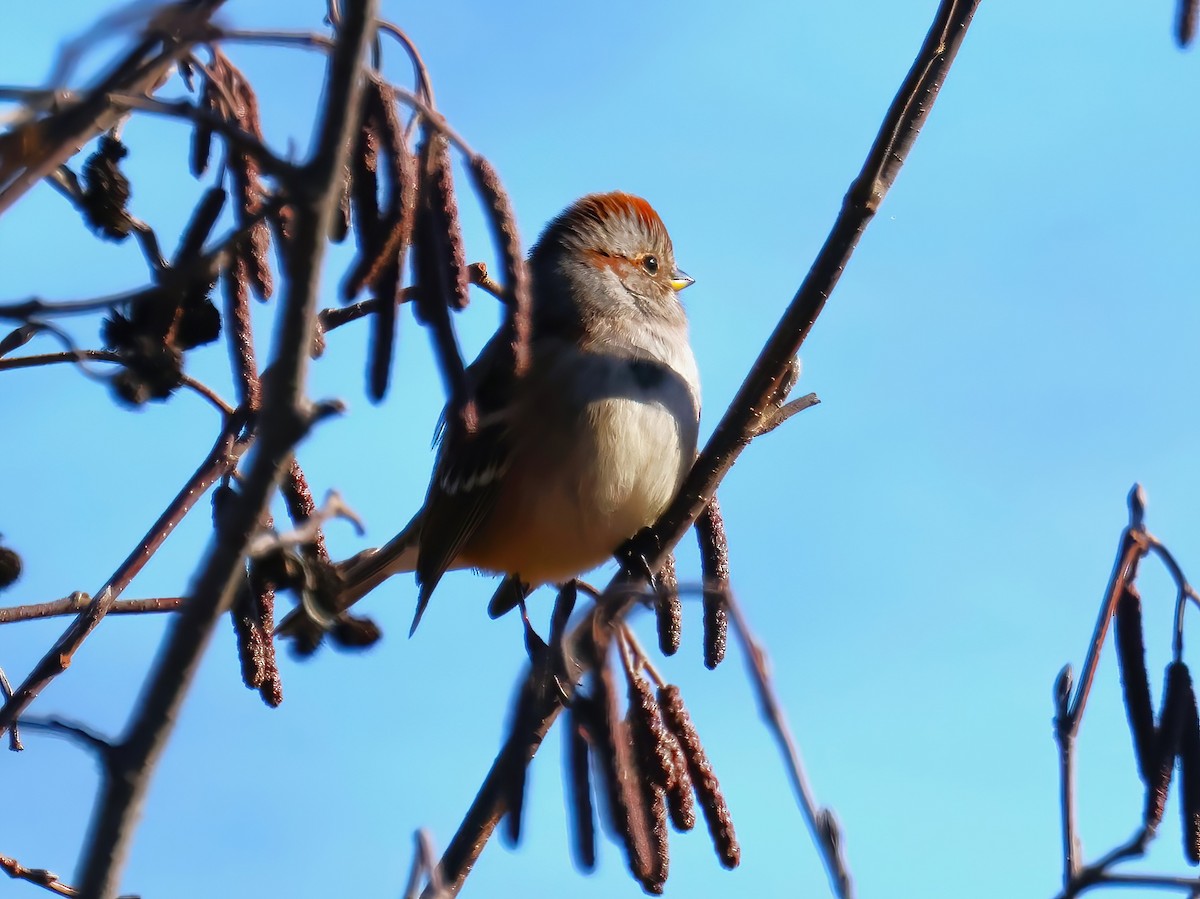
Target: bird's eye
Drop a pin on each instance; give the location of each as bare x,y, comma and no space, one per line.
650,264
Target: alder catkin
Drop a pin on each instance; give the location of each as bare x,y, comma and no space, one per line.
704,779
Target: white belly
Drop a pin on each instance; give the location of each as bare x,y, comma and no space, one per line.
597,469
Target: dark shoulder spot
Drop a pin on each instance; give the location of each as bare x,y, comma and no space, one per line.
647,374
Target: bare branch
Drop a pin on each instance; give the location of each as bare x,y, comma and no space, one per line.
822,824
78,601
79,356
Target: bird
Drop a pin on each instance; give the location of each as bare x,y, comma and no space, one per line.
588,446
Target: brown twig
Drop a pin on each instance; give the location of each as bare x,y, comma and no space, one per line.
220,460
900,127
189,267
285,417
335,316
238,138
78,601
822,824
47,880
14,732
1070,706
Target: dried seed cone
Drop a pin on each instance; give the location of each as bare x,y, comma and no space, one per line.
668,609
614,754
253,614
716,628
364,187
708,790
10,567
1131,655
1185,21
714,568
269,686
441,258
516,276
579,788
235,281
202,135
398,211
354,632
1189,777
680,803
655,798
339,227
1176,696
650,736
106,190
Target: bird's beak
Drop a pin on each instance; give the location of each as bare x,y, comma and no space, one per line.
681,279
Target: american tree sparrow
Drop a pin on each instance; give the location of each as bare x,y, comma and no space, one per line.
586,448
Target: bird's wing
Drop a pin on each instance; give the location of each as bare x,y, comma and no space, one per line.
470,466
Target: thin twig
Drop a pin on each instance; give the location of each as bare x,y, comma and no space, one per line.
74,732
199,387
336,316
193,269
47,880
14,732
821,822
239,139
64,181
786,411
78,601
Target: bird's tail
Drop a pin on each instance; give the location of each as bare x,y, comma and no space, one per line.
356,576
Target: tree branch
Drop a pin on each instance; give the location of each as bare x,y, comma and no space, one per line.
904,119
78,601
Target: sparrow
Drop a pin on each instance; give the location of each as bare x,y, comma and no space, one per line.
588,446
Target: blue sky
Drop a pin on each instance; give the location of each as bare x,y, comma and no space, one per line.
1012,346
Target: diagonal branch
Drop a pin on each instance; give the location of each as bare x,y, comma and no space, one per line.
220,460
904,120
824,827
